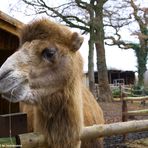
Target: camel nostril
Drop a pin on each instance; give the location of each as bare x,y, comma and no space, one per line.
5,74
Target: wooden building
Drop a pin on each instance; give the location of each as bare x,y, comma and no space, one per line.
114,77
9,42
119,76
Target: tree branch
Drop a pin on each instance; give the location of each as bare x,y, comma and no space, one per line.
83,5
135,13
119,43
64,18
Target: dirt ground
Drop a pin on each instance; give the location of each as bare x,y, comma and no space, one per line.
113,113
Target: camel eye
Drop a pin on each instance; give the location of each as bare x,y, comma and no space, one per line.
49,53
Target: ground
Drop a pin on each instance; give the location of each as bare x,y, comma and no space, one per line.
113,113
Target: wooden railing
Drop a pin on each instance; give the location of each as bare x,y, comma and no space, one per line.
13,124
37,140
125,99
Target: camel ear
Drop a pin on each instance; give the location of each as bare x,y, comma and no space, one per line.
76,41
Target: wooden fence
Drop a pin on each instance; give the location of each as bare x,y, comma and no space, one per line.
125,99
31,140
37,140
124,93
13,124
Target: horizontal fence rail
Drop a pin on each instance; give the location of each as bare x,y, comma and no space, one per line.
37,140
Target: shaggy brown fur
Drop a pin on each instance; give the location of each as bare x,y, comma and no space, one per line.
61,115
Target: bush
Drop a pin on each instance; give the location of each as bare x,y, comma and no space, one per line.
116,92
138,90
146,91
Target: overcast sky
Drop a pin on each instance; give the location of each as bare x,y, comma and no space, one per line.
115,57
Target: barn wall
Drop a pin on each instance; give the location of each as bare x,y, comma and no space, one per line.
8,44
128,76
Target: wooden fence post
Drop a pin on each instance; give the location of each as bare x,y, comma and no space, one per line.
124,109
124,106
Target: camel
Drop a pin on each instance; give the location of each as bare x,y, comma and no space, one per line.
46,74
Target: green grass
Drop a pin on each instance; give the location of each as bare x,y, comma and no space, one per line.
7,141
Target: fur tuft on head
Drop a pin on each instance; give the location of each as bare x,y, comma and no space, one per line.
45,29
35,30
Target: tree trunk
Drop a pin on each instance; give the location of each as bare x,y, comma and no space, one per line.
91,51
104,88
91,67
141,55
141,71
91,58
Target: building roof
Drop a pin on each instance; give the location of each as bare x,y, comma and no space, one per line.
10,24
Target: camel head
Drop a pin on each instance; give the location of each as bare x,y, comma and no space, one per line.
45,62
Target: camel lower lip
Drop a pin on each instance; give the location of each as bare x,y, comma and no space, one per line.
10,85
14,92
11,93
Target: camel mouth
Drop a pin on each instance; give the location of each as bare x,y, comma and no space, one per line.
16,93
12,85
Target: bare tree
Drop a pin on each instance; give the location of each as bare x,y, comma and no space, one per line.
95,10
88,17
135,15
